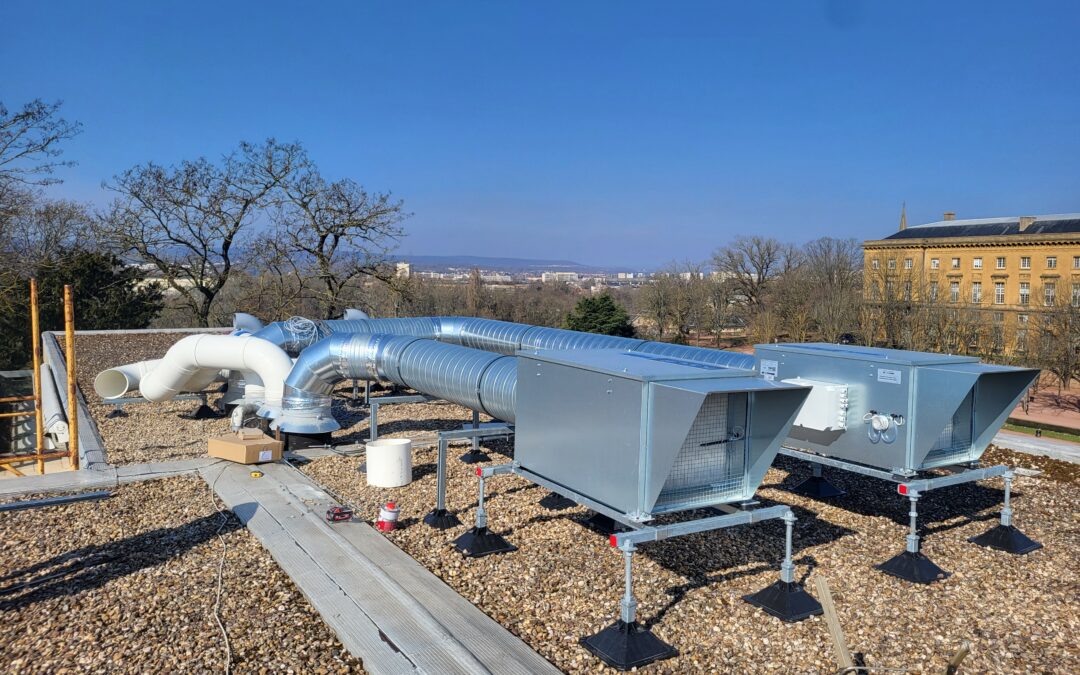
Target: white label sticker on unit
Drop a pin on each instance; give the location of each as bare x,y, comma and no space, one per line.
265,455
769,368
888,376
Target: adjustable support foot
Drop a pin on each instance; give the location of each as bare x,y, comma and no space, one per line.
441,519
475,454
1005,537
786,599
912,565
556,502
480,541
817,486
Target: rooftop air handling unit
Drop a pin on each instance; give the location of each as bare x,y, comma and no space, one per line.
635,436
897,415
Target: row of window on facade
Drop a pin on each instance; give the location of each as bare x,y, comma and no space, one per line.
1049,292
976,263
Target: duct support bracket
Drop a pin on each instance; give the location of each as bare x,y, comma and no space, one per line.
440,518
373,423
475,454
912,564
480,541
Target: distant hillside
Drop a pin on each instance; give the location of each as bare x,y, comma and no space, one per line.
441,263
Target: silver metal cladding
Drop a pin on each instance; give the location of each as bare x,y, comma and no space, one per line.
498,389
446,371
716,357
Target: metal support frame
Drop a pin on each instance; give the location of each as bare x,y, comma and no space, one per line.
373,425
475,455
54,501
354,400
480,541
119,403
627,644
440,518
911,564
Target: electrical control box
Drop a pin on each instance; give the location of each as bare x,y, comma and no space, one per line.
826,408
902,411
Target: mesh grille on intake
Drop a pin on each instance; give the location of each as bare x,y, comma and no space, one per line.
711,465
954,443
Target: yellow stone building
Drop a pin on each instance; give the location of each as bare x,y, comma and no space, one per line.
992,278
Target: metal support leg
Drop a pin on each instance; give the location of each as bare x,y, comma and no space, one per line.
786,599
912,565
373,423
817,486
204,411
475,455
440,518
625,644
479,541
367,392
1005,537
354,400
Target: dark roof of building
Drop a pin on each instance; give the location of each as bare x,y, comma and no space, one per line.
1065,223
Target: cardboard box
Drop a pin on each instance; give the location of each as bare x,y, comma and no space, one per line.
246,447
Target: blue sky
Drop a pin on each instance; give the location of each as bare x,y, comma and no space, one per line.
605,132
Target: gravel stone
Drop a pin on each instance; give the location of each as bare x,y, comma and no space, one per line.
127,584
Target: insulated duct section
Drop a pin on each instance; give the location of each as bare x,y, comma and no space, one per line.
476,379
56,423
500,337
197,360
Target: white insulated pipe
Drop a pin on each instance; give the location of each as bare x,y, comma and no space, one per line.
115,382
212,353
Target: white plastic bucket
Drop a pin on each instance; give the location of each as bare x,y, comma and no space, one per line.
389,462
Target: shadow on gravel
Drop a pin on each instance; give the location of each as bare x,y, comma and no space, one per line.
874,497
91,567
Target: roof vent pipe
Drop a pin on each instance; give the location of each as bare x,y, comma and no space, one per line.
950,215
1026,222
245,321
352,314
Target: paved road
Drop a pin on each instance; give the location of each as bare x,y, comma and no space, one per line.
1049,447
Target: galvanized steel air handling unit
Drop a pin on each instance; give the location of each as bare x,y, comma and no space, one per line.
894,415
634,436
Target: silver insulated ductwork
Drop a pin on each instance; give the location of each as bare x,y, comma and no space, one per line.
500,337
476,379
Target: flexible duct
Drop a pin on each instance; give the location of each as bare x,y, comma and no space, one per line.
197,354
352,314
56,424
476,379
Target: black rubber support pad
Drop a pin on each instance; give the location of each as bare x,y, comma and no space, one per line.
1007,538
627,645
441,519
602,524
818,487
785,600
471,457
556,502
479,542
913,567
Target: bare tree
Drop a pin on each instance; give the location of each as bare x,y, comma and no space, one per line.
834,271
752,263
187,221
30,140
337,232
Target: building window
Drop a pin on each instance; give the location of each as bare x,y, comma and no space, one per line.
935,263
892,264
976,292
1076,262
1076,295
875,264
1021,340
1025,293
999,292
907,291
1051,262
933,291
907,263
1049,293
1021,318
999,317
956,263
1025,263
954,291
976,263
1000,263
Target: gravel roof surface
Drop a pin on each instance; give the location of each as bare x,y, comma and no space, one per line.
1021,613
128,584
150,432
